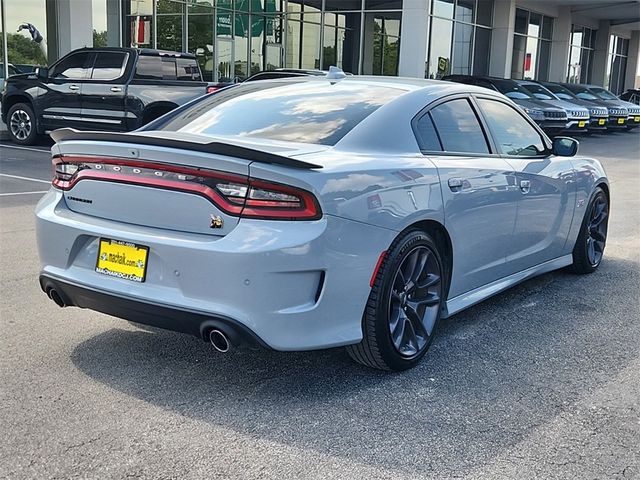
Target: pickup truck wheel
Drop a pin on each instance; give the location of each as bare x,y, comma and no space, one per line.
22,124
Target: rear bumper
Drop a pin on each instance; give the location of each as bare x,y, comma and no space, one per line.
178,320
294,285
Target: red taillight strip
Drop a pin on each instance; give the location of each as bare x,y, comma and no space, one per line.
195,188
264,209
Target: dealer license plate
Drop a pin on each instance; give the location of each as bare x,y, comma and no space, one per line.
122,260
621,121
581,124
601,121
636,119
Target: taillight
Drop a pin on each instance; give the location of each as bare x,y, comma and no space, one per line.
212,89
233,194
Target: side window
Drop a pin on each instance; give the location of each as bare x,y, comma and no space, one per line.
458,127
108,65
74,67
188,69
511,131
427,135
149,68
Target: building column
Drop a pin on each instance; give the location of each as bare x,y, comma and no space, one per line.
504,19
72,21
413,38
630,78
601,54
560,45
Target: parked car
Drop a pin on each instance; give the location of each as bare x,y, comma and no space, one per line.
578,117
598,111
12,71
117,89
633,119
305,214
632,95
551,119
618,112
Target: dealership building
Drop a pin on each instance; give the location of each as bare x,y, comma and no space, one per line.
586,41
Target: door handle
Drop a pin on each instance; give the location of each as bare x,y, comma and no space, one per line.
116,89
74,87
525,186
455,184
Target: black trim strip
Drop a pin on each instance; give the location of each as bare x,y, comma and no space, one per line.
217,148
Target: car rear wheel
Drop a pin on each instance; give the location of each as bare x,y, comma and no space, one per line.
589,248
22,124
404,306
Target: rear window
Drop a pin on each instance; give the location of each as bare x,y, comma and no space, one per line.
152,67
316,112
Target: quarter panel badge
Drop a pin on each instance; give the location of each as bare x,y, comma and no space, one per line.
216,222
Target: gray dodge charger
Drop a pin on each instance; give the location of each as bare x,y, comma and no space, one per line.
299,214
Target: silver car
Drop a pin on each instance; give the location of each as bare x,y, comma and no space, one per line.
306,214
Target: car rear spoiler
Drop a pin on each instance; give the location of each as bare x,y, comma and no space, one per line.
217,148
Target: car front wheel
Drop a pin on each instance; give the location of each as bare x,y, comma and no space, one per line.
21,123
404,305
589,248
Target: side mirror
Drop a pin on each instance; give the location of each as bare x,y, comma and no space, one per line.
42,73
565,146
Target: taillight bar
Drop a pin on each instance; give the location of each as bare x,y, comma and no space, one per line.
234,194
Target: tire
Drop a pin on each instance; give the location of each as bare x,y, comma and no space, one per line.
400,321
589,248
21,124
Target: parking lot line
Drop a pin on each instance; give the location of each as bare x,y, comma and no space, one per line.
25,148
22,193
18,177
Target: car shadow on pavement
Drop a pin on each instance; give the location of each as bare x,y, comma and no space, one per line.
494,374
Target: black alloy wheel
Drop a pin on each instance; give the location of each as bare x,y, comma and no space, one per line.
589,248
414,301
404,306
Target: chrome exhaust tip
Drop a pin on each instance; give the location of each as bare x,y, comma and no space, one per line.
55,296
219,340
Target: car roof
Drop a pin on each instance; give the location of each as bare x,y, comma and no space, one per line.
141,51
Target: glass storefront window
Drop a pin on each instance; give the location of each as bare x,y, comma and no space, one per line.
200,38
531,45
383,4
442,8
459,38
241,40
465,10
481,49
169,32
484,13
617,63
462,49
439,60
342,5
581,54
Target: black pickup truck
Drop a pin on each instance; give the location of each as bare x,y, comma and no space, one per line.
115,89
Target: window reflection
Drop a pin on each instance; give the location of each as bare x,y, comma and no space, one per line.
289,111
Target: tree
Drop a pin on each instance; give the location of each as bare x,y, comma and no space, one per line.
23,50
99,39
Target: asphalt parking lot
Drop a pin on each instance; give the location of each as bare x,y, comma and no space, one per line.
542,381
